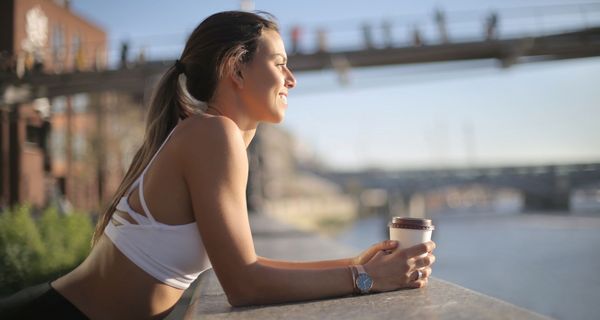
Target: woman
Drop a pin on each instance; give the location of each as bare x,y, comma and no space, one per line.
182,206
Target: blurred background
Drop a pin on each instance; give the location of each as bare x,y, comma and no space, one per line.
481,115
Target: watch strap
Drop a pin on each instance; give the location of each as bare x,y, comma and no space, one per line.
360,269
354,275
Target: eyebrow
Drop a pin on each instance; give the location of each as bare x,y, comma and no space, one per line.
281,55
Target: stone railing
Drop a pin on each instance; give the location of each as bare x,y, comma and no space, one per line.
439,300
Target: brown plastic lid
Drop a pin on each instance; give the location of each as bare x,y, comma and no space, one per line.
411,223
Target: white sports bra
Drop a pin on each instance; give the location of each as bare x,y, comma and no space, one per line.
173,254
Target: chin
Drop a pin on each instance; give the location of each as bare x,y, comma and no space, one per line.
276,118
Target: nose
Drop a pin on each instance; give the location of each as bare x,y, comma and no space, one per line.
290,81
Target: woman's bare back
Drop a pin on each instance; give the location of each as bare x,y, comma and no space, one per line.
107,283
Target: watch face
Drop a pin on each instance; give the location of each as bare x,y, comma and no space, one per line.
364,282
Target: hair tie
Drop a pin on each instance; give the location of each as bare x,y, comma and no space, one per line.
179,66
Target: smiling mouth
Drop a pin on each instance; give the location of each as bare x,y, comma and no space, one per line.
283,98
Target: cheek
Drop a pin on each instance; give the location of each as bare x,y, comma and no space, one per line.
260,91
268,85
258,95
264,85
271,74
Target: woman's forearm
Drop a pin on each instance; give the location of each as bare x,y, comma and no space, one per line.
306,264
268,284
269,281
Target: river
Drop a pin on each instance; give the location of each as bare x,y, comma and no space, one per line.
547,263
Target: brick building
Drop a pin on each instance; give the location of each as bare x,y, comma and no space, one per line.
47,35
63,148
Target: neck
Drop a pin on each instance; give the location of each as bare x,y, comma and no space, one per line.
247,128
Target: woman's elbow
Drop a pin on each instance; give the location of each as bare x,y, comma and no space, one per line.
244,297
246,291
238,301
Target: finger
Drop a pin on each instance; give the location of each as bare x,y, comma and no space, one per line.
425,261
420,274
378,254
425,272
420,249
419,284
416,275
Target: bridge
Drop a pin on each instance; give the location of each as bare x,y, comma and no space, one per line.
576,39
543,187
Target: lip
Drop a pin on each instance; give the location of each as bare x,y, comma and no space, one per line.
284,94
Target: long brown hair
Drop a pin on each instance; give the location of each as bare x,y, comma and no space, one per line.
215,48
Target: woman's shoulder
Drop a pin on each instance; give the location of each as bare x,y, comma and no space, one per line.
209,129
214,135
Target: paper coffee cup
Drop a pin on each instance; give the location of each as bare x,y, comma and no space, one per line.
410,231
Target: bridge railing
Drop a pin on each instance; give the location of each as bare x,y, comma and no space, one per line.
434,27
459,26
399,30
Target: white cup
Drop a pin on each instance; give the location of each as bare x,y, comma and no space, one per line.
410,231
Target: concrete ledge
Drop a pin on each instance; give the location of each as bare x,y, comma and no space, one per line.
439,300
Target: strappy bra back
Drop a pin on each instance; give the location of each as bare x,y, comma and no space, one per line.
173,254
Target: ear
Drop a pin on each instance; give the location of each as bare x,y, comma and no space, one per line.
237,75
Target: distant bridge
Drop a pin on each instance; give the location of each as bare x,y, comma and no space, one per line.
137,79
543,187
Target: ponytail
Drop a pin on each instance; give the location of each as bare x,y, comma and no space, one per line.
168,105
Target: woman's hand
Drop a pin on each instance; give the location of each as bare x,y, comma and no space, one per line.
400,268
367,255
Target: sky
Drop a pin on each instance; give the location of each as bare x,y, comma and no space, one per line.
394,117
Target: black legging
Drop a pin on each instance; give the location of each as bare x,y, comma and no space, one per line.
38,302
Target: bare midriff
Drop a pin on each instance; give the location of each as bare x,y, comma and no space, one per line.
108,285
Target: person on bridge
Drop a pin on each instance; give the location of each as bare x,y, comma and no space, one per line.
181,208
491,26
440,21
295,35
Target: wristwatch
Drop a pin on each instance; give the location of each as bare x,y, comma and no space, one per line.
364,283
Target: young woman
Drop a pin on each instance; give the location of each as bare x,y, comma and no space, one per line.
181,206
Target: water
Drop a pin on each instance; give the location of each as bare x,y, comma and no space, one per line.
545,263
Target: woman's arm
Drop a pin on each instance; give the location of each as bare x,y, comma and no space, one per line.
363,258
215,168
339,263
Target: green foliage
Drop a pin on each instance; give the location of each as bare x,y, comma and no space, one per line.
35,250
21,247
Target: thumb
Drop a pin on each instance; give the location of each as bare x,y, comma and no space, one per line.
378,255
388,245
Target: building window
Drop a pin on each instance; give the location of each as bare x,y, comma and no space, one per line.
79,147
58,144
33,135
58,47
77,52
59,104
80,102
